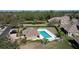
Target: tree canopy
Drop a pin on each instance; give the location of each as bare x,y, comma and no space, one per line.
6,44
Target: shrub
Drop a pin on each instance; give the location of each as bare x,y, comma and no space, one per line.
23,41
6,44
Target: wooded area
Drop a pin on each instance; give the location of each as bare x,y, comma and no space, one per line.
22,16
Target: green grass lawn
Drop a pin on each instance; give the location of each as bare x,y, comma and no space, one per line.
63,44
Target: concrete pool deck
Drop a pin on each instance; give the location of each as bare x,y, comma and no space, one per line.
53,37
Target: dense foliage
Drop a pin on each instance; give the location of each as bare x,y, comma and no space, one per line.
6,44
22,16
16,17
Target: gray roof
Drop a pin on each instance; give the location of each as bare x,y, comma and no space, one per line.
72,28
54,19
74,20
63,20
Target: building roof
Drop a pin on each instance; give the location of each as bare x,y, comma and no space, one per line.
31,32
74,20
72,28
63,20
54,19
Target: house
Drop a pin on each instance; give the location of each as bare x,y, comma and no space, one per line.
64,20
72,28
54,21
31,33
69,27
74,20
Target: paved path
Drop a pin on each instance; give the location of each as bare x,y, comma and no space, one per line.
5,32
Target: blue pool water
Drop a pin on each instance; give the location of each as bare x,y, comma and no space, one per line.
44,34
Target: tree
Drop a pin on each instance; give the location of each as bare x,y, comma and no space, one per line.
23,41
18,30
44,41
6,44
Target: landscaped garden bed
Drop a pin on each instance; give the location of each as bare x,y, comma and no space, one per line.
36,22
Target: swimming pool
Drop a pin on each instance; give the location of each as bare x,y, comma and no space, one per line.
44,33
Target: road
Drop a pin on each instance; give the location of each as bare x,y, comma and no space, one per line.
6,31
